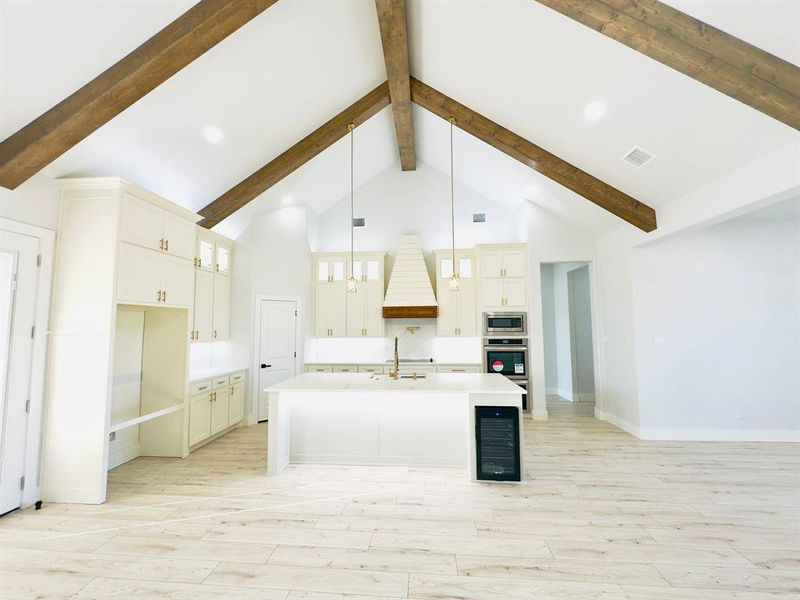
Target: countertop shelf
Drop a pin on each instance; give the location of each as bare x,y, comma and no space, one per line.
148,417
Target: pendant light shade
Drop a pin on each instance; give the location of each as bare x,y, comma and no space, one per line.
455,280
351,281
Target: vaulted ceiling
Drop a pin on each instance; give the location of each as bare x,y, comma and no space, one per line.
299,63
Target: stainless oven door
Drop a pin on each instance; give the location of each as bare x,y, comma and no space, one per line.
509,361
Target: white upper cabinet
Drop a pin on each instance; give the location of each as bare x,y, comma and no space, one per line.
503,277
203,306
221,318
147,223
142,222
365,306
212,286
223,260
339,313
205,253
179,236
157,247
458,315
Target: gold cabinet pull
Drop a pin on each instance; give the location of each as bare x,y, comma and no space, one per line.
166,245
215,334
161,244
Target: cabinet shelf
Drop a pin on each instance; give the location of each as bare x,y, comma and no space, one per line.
148,417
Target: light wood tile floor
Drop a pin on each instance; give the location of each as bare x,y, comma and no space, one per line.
601,516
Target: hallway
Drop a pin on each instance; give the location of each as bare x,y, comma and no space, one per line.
559,409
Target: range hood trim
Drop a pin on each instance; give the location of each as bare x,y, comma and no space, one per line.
410,312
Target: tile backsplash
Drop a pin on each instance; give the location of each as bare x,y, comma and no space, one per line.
416,338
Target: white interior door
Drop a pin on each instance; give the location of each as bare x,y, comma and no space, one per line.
276,348
18,284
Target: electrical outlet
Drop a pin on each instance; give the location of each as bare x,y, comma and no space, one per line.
737,413
112,436
658,340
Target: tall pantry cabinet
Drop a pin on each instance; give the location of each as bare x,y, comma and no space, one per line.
122,251
212,287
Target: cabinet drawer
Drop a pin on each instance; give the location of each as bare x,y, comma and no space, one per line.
319,369
410,370
465,369
345,369
199,387
237,377
370,369
220,382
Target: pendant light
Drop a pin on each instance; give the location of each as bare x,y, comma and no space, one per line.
351,281
455,281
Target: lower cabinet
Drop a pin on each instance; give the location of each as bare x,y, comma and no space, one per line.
214,406
220,403
236,403
199,418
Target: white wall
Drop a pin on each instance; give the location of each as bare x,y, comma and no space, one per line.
396,203
34,202
272,257
549,331
717,332
550,239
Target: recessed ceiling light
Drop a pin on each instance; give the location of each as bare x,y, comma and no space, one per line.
287,200
212,134
594,111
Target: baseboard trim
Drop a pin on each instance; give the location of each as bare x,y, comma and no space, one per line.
250,420
720,435
626,426
565,395
71,496
123,455
700,435
539,415
551,391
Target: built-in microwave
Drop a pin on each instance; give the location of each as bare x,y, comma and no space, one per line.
505,323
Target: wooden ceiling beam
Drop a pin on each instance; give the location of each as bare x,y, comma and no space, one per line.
394,36
721,61
295,157
551,166
47,137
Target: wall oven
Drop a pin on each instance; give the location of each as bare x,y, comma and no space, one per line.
504,323
508,356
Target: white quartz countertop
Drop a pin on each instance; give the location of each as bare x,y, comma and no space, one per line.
472,383
413,363
210,373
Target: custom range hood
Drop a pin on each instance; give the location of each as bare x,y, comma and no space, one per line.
410,293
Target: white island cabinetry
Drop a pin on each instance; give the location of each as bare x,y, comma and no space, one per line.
364,419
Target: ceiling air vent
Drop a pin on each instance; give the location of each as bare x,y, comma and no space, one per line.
638,157
479,217
359,222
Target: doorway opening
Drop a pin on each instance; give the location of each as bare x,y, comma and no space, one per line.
275,350
568,339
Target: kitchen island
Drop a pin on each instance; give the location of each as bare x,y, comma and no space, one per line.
367,419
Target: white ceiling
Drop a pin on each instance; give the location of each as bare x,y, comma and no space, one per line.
772,25
302,61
